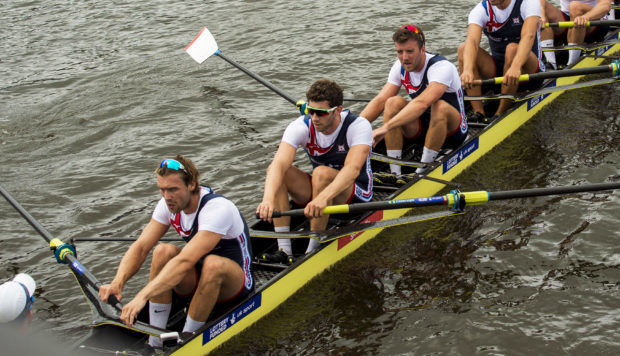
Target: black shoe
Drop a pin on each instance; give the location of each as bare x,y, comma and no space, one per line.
478,117
276,257
384,178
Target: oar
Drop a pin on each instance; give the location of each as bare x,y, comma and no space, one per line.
204,45
568,24
611,68
454,199
546,90
330,235
65,253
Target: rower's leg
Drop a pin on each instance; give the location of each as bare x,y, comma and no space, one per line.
221,279
530,66
444,119
394,138
297,185
161,305
162,253
322,176
552,14
576,35
483,69
505,104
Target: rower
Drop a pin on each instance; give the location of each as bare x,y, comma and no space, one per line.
338,143
511,27
580,12
212,268
435,116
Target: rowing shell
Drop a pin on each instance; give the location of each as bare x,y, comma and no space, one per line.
275,283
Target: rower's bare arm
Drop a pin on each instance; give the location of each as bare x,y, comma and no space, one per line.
470,54
375,107
133,259
172,274
281,162
599,10
528,36
353,163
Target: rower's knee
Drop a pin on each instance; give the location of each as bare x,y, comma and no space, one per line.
213,270
576,8
163,253
511,52
393,105
322,176
440,112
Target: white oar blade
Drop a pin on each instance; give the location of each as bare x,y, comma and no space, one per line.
202,47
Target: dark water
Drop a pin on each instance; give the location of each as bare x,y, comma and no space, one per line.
93,94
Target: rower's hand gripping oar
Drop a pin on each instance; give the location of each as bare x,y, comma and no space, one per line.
570,24
455,200
612,68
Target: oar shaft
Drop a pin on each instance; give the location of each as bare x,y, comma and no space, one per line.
570,24
35,224
536,192
256,77
456,199
611,68
72,262
377,205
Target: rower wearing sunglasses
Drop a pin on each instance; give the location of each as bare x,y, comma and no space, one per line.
435,116
338,143
212,268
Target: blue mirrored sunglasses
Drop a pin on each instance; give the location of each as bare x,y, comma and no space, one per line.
173,164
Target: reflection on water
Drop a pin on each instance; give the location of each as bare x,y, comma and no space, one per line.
93,96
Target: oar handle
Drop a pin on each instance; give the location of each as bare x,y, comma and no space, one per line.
570,24
611,68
